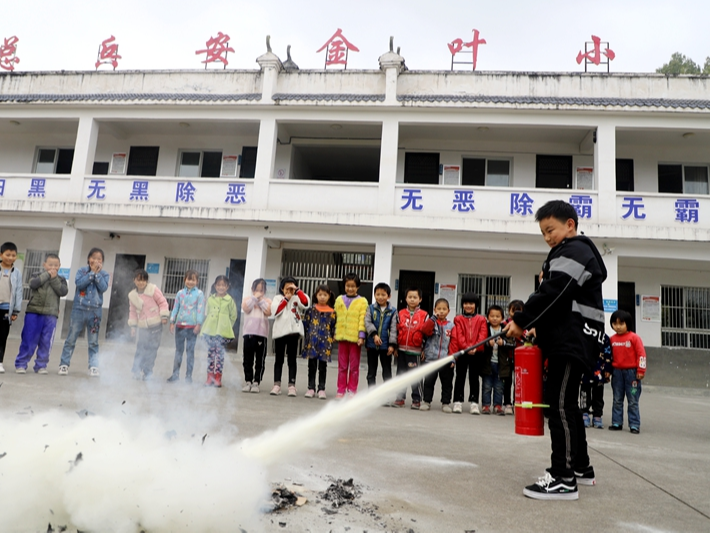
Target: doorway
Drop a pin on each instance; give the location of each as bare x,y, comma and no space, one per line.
236,287
117,322
422,280
627,300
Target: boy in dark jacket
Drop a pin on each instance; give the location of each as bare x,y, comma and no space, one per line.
591,394
381,329
41,316
568,315
410,342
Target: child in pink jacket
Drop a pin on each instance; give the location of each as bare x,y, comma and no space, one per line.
148,312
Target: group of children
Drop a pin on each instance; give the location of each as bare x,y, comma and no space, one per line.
410,335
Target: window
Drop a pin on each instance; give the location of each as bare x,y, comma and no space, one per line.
492,290
34,259
490,172
625,175
143,161
683,179
100,168
685,317
200,164
174,278
421,168
553,172
54,160
247,163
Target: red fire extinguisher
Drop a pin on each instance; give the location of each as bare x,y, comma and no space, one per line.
529,419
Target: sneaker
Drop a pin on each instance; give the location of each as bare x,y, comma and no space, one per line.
416,405
254,388
43,371
587,421
20,370
474,409
486,410
586,476
398,403
340,396
499,410
350,394
276,391
292,391
458,408
173,378
634,430
425,406
446,408
2,369
310,393
508,409
597,422
321,395
63,370
94,372
552,488
246,387
615,427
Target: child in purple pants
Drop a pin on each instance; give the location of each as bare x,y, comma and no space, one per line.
41,316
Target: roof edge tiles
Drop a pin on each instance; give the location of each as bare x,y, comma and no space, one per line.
555,100
346,97
104,97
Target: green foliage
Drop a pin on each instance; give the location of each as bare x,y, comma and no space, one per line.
679,64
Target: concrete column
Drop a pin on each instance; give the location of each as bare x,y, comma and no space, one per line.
388,164
255,262
270,66
84,153
265,158
610,288
383,262
392,64
70,256
605,173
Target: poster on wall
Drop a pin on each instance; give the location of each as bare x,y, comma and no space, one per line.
451,174
448,291
118,163
650,308
271,288
585,178
229,166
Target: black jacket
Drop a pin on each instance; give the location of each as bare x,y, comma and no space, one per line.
567,310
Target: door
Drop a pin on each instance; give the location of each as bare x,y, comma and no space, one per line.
117,322
236,287
420,279
627,300
143,161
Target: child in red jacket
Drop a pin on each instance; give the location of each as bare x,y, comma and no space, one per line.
410,342
469,329
629,363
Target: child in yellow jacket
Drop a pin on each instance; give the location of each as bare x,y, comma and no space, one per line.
350,309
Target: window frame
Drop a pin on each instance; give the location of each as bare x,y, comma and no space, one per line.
487,158
182,151
674,308
171,280
484,296
56,158
683,166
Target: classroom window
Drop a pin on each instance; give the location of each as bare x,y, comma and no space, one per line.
625,175
34,261
484,171
200,164
247,162
174,277
54,160
685,317
492,290
553,172
421,168
683,179
143,161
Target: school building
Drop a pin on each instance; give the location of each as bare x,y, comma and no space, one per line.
426,178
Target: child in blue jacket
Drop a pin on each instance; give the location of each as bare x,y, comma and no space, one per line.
381,329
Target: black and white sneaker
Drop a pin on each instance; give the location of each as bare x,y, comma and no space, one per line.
552,488
585,476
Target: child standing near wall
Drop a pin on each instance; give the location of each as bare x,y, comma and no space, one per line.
91,283
10,294
41,316
438,332
381,329
469,329
256,309
350,310
513,307
148,312
217,328
496,363
319,324
591,393
185,322
410,342
287,308
629,363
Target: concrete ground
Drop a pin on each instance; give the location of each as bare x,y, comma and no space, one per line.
420,471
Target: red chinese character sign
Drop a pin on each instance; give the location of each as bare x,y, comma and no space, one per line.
337,49
108,54
594,55
8,53
457,47
217,48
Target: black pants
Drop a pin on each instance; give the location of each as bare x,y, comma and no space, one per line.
373,356
4,331
288,346
446,375
321,367
507,386
405,363
569,440
472,364
591,399
254,352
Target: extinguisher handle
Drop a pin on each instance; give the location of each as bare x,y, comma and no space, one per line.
481,343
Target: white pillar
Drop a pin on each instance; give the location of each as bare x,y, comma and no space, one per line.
265,157
610,288
70,253
605,172
388,165
383,262
255,262
84,152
